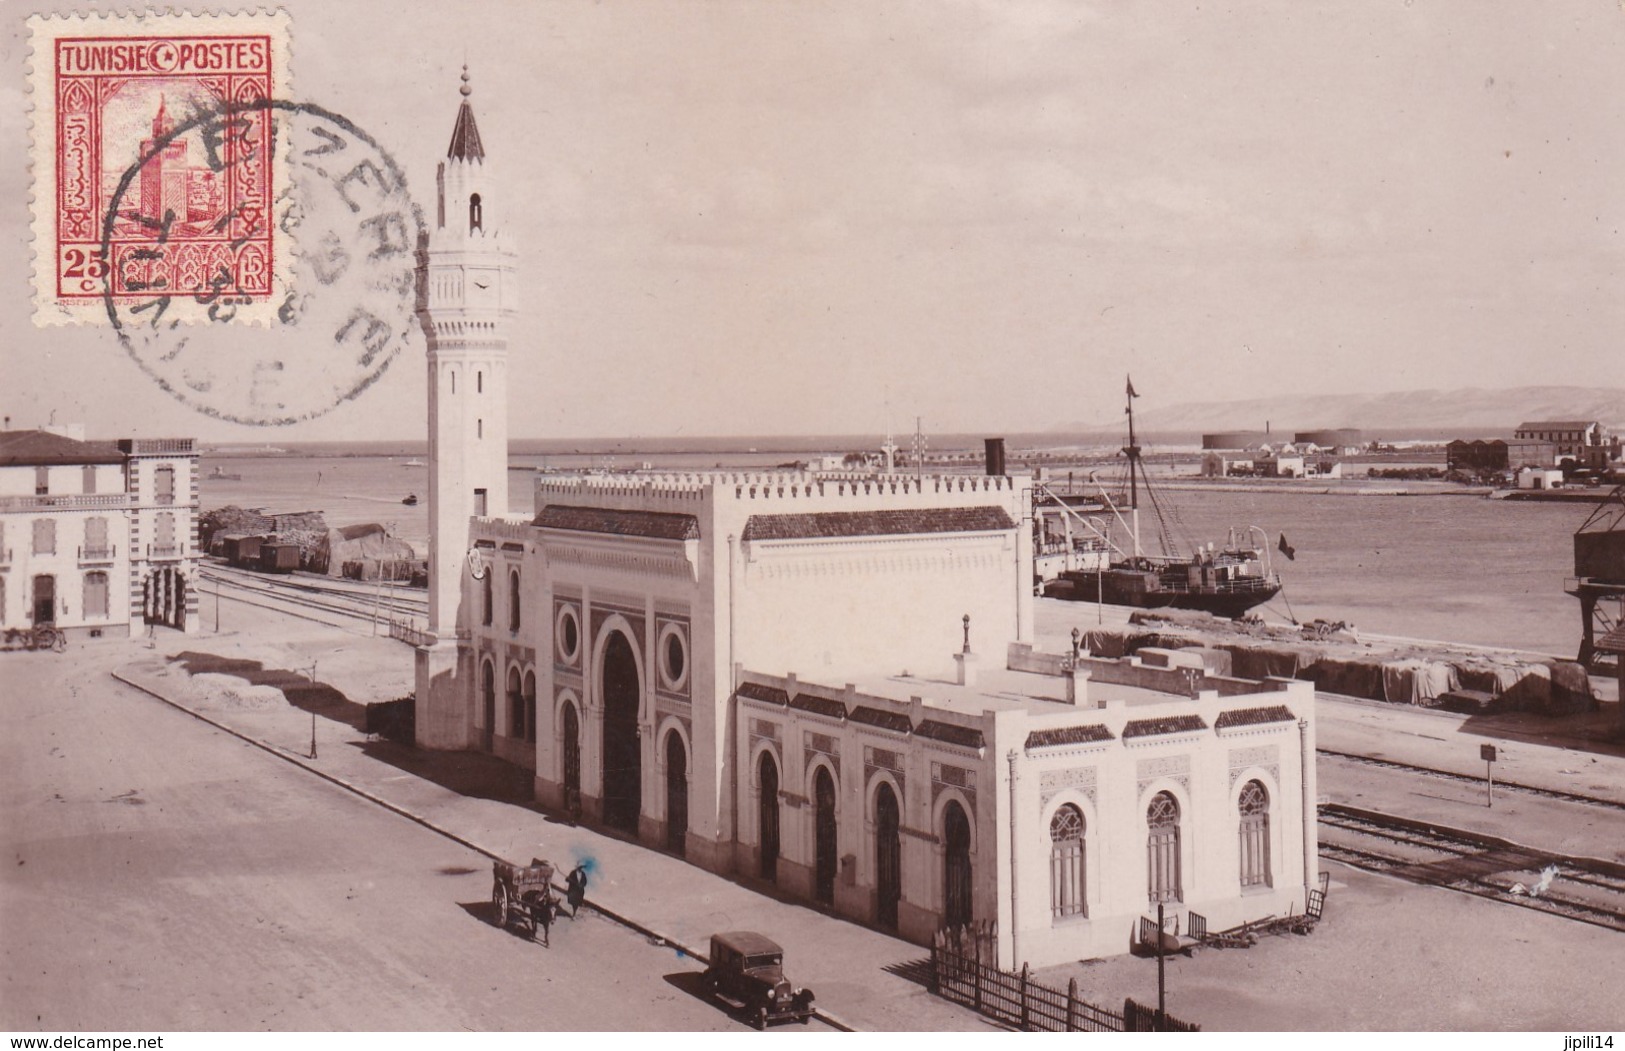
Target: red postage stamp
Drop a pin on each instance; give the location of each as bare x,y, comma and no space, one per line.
156,167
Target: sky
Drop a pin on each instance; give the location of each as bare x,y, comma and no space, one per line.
831,217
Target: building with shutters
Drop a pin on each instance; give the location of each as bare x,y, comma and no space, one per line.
826,683
97,538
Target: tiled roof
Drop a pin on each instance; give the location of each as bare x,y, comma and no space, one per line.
1173,724
1086,734
1556,425
808,702
42,449
465,136
1253,716
878,523
759,692
661,525
949,733
897,722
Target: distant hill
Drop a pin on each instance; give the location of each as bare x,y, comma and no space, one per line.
1466,412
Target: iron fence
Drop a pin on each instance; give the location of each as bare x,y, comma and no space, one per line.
964,969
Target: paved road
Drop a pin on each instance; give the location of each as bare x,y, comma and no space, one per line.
159,875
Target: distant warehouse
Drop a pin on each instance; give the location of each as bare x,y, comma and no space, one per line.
1342,440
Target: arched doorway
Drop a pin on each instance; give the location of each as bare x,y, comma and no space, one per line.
571,732
623,761
768,817
956,881
676,794
488,698
824,836
163,598
888,856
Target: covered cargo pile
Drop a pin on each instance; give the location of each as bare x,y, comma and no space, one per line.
364,552
1336,661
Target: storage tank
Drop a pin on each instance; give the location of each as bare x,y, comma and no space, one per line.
1331,438
1234,439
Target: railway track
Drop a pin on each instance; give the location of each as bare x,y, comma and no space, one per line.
313,600
1585,889
1446,775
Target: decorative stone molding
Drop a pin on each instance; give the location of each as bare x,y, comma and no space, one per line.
817,744
634,562
1266,757
944,776
1052,783
1176,768
826,558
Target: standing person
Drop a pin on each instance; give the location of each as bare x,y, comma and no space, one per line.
575,888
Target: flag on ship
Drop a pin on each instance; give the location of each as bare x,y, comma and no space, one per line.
1131,395
1287,549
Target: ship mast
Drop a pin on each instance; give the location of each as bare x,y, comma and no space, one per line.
1132,451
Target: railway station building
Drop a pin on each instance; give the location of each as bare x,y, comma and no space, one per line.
826,683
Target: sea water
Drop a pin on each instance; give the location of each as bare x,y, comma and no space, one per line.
1436,566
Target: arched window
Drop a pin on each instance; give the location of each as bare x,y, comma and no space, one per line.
1162,848
1254,806
516,705
476,213
486,608
530,706
513,600
1066,884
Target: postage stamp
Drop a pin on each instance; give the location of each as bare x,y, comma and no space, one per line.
256,255
116,101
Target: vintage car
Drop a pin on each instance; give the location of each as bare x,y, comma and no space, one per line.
747,974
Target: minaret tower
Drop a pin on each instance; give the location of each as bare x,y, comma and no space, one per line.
470,297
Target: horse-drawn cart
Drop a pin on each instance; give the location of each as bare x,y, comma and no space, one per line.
525,893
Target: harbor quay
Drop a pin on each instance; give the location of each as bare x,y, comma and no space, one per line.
1427,957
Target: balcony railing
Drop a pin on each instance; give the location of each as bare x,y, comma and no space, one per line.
102,553
67,502
163,550
156,446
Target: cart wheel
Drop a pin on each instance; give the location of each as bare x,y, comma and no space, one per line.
499,901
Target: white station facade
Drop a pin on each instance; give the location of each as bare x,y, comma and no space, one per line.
830,683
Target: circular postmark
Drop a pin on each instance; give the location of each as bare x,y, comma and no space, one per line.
261,260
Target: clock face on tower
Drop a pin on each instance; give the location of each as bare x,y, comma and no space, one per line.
482,288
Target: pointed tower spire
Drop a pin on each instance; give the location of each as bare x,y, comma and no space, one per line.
465,135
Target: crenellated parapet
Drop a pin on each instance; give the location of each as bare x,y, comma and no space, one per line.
766,485
501,529
556,488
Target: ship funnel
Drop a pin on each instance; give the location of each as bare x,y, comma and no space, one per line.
995,456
